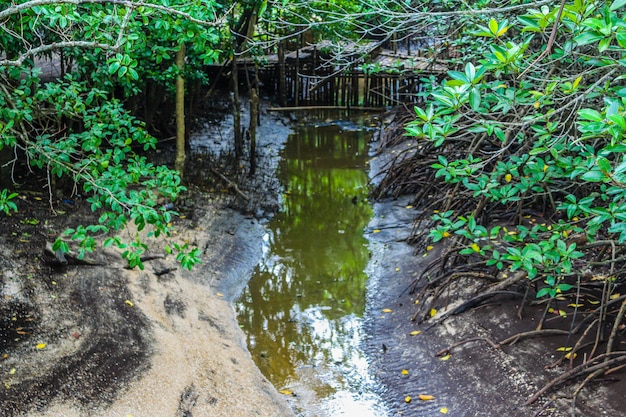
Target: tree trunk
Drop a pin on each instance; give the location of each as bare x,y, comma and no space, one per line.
180,111
254,112
236,109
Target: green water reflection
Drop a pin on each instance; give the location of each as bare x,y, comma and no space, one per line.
303,307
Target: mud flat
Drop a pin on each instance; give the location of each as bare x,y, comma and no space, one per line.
476,379
95,340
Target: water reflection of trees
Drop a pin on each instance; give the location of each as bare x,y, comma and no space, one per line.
310,290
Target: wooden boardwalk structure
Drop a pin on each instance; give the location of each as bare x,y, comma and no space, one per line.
306,77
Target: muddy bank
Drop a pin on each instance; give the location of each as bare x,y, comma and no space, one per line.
476,379
93,340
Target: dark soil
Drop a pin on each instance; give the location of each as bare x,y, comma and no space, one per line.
476,379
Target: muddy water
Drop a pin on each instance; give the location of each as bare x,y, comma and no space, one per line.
304,305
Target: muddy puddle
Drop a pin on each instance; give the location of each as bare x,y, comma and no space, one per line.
303,308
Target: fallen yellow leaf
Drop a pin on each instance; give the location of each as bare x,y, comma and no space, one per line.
397,269
575,305
433,312
594,302
475,247
376,230
405,372
508,177
445,357
571,355
285,392
424,397
41,346
219,294
407,399
130,303
429,247
614,296
443,410
409,206
415,332
445,234
563,349
387,310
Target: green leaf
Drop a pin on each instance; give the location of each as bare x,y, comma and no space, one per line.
474,97
586,38
595,175
590,114
617,4
493,26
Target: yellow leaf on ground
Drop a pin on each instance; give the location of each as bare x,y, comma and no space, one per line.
429,247
575,305
443,410
376,230
41,346
415,332
397,269
387,310
407,399
571,355
425,397
508,177
433,312
445,234
405,372
445,357
219,294
285,392
563,349
409,206
130,303
614,296
475,247
594,302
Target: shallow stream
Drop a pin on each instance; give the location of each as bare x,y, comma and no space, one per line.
303,308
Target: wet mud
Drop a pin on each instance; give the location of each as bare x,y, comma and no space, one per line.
476,379
99,339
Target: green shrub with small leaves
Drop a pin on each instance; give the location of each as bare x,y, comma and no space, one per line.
532,128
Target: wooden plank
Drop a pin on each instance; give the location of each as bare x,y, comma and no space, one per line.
326,108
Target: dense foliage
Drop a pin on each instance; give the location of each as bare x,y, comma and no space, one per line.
78,127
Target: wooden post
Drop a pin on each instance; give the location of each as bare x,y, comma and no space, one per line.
296,77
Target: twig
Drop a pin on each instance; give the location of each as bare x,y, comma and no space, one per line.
447,350
550,40
231,184
533,333
582,368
